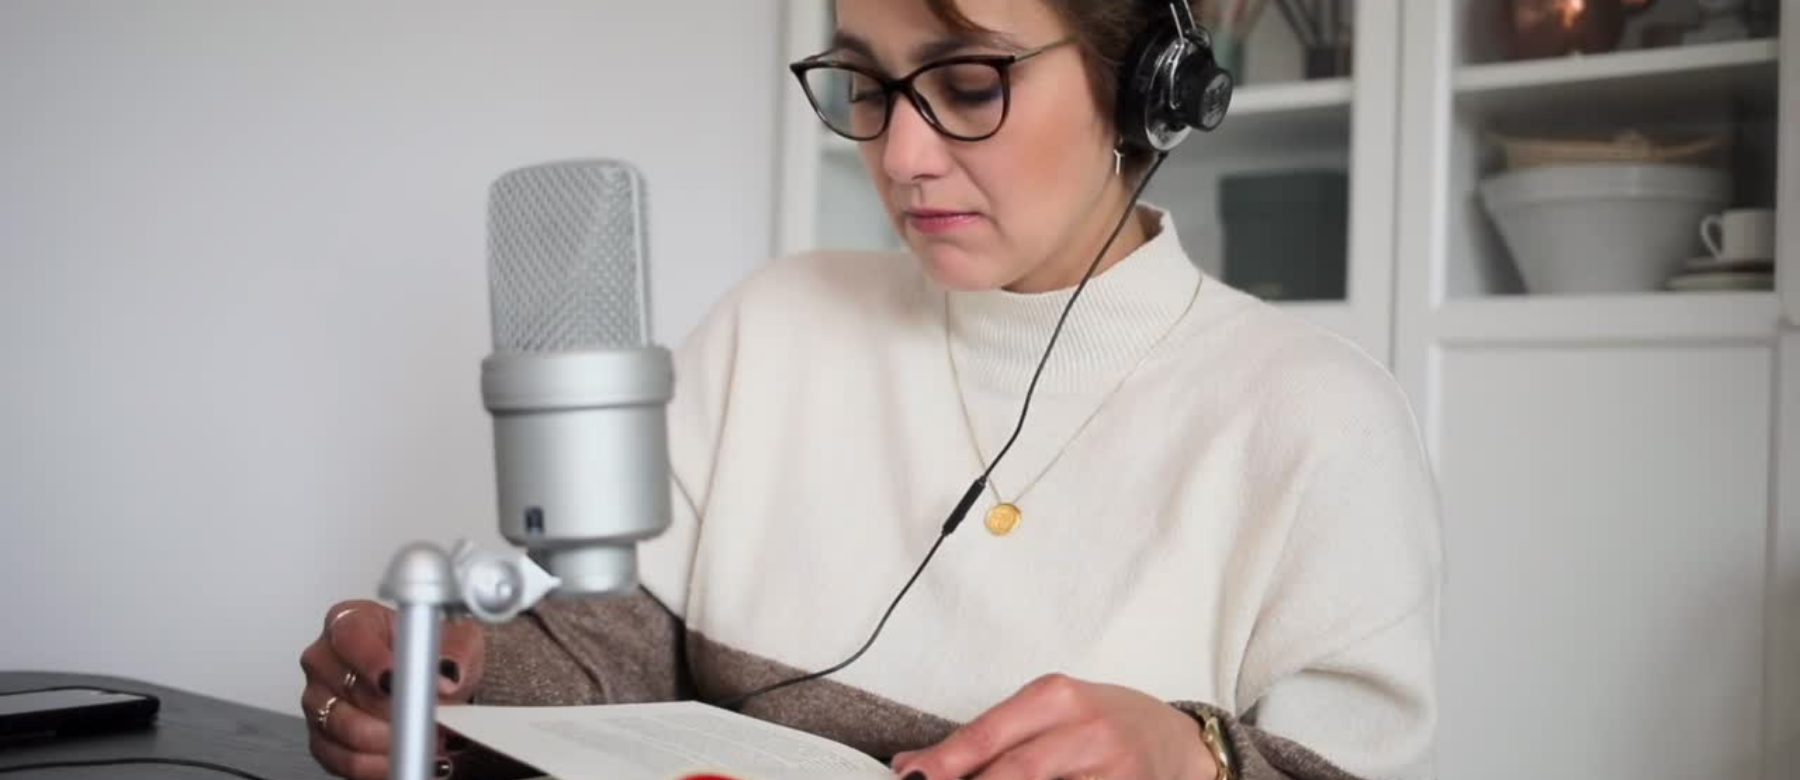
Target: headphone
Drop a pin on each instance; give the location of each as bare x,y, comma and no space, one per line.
1171,84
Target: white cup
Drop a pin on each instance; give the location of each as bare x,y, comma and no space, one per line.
1740,234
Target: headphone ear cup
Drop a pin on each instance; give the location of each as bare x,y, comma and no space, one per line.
1210,89
1171,86
1143,89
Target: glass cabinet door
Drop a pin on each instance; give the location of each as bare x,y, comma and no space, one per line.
1613,148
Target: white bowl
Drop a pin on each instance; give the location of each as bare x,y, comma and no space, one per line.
1603,228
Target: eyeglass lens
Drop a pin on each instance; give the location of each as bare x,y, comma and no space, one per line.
965,100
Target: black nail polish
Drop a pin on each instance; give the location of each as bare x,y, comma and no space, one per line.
443,768
450,670
915,775
386,683
456,743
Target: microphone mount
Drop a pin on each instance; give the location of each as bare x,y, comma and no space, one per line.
427,586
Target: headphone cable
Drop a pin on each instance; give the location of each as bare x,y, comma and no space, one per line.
969,497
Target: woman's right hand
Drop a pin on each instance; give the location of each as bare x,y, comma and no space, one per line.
349,676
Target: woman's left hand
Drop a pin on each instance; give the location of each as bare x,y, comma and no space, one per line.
1061,727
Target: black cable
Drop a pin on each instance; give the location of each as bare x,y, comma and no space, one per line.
736,702
1030,391
5,770
974,492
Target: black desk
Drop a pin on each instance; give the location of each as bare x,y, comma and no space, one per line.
190,726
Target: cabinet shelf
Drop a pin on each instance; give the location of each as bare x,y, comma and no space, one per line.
1298,98
1302,114
1595,82
1643,317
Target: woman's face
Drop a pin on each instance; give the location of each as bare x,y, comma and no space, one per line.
1024,209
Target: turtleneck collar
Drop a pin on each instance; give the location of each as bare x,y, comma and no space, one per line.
998,336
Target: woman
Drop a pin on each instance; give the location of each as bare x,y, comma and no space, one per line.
1217,518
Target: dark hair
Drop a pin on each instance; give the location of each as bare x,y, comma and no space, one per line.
1105,31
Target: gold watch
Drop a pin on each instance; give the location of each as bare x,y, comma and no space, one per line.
1213,734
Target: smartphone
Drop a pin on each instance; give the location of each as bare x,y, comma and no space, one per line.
72,710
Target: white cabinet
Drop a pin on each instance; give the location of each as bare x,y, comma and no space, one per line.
1608,516
1613,467
1783,732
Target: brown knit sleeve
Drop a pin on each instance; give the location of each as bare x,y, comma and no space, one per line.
1264,756
602,650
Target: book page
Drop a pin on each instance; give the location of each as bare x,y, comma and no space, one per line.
656,742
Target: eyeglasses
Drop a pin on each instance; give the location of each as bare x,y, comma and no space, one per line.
965,98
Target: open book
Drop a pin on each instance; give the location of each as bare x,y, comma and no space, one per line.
656,742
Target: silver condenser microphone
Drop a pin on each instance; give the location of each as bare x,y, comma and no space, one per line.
576,388
578,395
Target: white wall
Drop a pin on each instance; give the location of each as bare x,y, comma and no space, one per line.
242,289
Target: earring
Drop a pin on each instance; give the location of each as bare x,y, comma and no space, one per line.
1118,161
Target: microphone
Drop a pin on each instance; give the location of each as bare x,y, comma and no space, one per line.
579,396
577,390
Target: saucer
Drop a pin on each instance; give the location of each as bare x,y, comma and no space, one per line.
1721,280
1710,264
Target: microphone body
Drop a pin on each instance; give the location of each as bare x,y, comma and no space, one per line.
577,391
578,394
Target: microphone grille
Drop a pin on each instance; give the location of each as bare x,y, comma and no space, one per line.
567,250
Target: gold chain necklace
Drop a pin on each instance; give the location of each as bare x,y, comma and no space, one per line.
1006,515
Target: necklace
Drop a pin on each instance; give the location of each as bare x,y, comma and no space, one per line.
1006,515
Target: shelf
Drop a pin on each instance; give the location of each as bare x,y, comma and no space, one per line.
1302,114
1295,98
1572,319
1593,83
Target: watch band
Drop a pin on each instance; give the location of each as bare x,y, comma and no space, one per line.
1213,734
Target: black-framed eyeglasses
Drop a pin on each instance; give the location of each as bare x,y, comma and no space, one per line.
966,98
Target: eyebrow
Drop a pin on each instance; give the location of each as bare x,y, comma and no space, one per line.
924,52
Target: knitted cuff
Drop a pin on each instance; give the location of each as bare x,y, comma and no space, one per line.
1261,755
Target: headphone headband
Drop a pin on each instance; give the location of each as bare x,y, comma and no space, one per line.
1184,18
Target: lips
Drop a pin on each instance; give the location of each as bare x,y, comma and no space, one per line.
938,221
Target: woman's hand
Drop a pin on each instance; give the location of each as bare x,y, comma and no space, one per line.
1060,727
349,676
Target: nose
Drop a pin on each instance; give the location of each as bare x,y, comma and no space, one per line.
914,151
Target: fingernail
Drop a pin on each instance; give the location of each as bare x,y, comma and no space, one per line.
386,683
456,743
443,768
450,671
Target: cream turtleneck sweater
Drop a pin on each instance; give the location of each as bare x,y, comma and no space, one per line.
1234,509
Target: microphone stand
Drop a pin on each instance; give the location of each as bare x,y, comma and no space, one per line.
427,585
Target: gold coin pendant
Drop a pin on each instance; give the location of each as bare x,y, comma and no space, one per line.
1003,518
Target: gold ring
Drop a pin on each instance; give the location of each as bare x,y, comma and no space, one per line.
324,712
349,681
